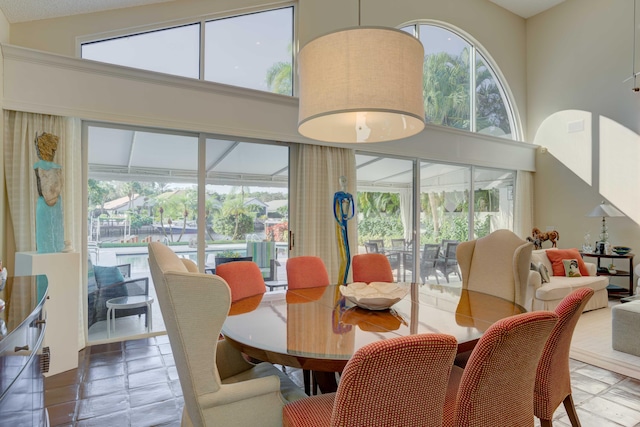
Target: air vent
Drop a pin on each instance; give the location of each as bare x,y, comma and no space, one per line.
45,359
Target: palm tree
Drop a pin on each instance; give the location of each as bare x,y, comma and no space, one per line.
280,76
446,89
234,206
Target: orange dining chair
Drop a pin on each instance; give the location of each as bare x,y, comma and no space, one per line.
394,382
243,277
496,386
372,268
553,379
306,272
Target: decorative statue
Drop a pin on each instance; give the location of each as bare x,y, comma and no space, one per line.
49,221
537,237
343,211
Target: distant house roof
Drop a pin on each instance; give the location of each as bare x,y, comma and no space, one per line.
274,205
118,203
256,202
121,204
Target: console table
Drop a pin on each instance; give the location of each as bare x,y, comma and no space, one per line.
22,359
618,273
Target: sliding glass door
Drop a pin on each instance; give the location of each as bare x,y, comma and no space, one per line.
143,186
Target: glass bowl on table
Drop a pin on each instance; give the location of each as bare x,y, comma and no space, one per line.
621,250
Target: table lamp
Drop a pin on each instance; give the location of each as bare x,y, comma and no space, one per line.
604,210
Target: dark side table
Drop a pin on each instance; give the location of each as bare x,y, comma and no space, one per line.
613,289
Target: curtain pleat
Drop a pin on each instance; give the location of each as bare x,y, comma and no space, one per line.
316,176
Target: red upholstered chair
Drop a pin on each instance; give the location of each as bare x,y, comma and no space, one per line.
496,386
243,277
372,268
553,381
394,382
306,272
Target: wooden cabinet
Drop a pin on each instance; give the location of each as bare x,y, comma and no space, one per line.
22,330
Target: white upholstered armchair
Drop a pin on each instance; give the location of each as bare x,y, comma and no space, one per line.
497,264
219,386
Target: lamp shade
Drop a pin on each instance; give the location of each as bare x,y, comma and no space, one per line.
362,84
604,210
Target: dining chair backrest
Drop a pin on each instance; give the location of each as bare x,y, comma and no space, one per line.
380,244
494,389
553,379
371,248
497,264
243,277
449,249
398,244
428,261
444,243
306,272
430,254
372,268
393,382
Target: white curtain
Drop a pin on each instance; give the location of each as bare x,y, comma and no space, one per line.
406,212
523,221
315,174
20,131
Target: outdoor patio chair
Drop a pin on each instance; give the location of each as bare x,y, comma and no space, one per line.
448,263
428,262
107,282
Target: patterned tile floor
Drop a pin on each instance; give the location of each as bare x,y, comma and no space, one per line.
135,383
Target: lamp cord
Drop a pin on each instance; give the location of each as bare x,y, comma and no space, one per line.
360,11
633,66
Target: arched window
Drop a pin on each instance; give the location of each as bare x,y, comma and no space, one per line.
460,88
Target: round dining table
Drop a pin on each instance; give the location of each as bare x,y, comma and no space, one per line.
318,329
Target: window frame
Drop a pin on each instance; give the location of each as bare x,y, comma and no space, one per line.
201,21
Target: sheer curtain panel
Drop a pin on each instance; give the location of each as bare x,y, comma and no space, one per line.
315,178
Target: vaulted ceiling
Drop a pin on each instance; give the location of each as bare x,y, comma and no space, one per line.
32,10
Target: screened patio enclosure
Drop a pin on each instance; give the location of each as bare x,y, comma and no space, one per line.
450,198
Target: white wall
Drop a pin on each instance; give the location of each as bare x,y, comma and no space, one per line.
500,32
578,55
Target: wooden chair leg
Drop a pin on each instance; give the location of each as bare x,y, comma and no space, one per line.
571,411
545,423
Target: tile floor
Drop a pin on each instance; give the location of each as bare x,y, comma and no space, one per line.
135,383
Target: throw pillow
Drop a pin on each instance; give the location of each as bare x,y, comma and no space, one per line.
544,273
571,268
107,275
542,270
557,255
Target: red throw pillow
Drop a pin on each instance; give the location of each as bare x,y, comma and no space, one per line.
557,255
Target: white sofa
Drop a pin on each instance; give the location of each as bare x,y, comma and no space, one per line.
546,296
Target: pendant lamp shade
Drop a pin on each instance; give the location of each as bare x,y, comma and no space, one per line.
361,84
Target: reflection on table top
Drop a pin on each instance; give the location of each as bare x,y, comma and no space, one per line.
318,329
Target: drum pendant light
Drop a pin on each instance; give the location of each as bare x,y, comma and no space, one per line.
361,84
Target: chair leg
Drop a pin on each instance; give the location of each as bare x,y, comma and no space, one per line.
306,376
545,423
571,411
310,384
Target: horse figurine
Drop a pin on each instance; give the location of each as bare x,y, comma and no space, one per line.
538,237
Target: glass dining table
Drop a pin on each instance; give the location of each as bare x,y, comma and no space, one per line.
319,330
